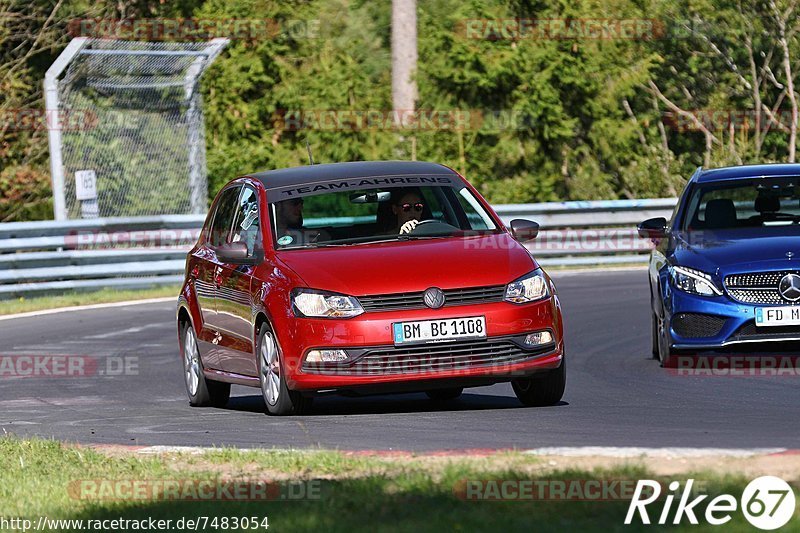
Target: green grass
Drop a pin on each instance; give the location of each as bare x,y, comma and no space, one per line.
39,303
357,492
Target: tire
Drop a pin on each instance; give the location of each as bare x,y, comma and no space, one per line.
279,400
202,392
654,335
440,395
542,389
665,353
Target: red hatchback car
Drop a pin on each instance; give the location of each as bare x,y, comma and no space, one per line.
364,278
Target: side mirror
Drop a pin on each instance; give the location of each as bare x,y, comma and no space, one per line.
236,253
524,230
653,228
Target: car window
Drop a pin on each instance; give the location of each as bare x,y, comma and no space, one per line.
376,214
246,224
223,218
478,218
762,202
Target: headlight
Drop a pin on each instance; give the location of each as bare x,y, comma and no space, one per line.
528,288
694,281
319,304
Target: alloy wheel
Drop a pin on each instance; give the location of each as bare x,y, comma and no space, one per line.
270,369
191,362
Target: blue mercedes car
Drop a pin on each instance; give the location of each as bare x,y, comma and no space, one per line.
725,271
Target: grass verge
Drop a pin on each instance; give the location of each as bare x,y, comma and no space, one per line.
318,490
39,303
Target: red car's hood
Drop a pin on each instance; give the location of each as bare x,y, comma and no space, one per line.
408,266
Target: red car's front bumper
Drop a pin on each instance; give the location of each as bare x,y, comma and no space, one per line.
500,357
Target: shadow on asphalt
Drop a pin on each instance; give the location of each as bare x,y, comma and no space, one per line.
394,404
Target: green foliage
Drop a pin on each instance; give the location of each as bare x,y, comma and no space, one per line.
25,194
550,119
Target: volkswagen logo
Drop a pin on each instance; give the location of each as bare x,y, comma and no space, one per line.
434,297
789,287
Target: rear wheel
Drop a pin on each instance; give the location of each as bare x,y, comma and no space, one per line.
445,394
546,388
202,392
277,396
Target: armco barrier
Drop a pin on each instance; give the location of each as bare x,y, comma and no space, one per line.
48,256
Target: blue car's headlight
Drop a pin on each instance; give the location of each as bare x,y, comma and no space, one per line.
320,304
528,288
694,281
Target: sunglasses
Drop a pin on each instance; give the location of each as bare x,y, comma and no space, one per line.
408,207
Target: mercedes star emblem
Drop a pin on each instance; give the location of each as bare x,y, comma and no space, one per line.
434,297
789,287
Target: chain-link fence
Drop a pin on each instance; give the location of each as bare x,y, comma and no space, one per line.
140,147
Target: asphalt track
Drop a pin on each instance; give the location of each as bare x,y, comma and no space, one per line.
616,394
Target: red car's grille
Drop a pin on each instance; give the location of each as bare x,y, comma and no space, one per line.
414,300
425,358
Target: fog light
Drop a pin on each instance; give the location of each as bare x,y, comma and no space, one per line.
326,356
539,338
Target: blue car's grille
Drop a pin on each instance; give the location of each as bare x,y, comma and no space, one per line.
757,287
751,296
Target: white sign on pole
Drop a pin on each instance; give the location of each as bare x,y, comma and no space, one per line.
85,185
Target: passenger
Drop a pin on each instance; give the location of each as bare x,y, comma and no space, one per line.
289,215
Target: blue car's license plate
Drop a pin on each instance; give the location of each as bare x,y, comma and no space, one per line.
778,316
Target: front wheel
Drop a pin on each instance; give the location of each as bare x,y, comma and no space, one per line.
665,353
277,396
539,390
654,335
202,392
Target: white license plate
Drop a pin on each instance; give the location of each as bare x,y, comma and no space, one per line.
448,329
778,316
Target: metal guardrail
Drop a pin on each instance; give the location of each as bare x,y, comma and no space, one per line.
49,256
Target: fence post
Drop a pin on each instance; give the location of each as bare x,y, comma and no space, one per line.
53,122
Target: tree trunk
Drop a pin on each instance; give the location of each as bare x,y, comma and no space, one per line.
404,57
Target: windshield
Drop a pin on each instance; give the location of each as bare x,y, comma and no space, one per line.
377,214
757,203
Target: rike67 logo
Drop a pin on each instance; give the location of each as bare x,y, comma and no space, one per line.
767,502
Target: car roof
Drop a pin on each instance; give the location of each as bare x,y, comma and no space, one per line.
274,179
749,171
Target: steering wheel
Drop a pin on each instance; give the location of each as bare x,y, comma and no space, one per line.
426,221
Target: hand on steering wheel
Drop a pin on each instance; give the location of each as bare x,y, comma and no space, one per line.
408,226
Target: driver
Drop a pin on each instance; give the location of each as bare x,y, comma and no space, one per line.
408,209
